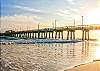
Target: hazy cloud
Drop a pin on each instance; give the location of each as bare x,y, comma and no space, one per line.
70,1
62,12
20,18
28,9
18,21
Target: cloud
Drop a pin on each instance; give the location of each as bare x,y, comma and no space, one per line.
16,22
28,9
63,12
20,18
70,1
60,14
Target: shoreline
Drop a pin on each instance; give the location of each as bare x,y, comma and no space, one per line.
90,66
22,41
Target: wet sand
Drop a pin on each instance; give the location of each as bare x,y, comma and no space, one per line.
94,66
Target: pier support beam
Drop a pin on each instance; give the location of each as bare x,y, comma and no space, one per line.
32,35
59,35
52,35
38,34
49,35
74,35
19,35
43,34
56,35
29,35
68,35
24,35
85,34
71,35
46,35
88,35
62,34
35,36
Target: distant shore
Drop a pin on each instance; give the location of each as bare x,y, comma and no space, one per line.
92,66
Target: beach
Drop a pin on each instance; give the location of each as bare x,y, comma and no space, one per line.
93,66
50,35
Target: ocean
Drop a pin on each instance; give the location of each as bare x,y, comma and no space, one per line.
31,56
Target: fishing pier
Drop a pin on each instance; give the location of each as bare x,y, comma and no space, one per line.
54,33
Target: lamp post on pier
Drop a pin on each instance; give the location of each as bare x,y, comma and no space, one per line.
82,22
38,31
74,22
55,24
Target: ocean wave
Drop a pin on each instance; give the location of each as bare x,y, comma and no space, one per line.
13,40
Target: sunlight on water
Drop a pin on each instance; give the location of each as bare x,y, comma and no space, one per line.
96,34
97,53
48,56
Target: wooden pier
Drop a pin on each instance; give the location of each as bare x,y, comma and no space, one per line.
54,33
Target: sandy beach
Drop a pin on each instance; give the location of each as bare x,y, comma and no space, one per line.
94,66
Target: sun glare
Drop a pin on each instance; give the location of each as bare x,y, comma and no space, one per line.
98,53
93,17
97,32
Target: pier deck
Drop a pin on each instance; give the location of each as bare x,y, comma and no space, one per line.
54,32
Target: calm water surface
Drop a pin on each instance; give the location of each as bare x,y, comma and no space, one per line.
48,57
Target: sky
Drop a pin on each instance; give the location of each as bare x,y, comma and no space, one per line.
27,14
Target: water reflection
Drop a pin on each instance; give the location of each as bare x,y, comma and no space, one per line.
85,48
65,55
56,56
